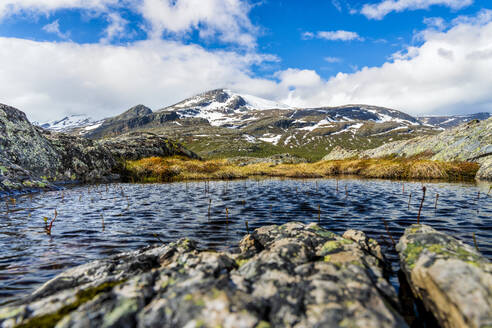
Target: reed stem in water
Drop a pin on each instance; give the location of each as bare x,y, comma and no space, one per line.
389,234
475,242
421,204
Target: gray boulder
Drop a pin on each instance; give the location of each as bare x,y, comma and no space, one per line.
452,279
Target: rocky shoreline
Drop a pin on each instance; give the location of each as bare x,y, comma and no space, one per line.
32,158
293,275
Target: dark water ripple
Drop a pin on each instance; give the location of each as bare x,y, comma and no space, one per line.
136,215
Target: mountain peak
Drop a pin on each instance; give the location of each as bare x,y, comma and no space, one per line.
222,106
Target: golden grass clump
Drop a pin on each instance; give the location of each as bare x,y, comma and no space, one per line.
158,169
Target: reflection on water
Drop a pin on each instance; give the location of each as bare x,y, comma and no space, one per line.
96,221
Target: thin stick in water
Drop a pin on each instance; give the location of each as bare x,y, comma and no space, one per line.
227,215
409,199
421,204
475,242
388,232
319,213
247,227
435,205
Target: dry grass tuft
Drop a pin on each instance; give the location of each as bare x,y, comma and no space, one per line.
157,169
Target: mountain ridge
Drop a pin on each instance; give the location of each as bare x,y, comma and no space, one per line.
223,123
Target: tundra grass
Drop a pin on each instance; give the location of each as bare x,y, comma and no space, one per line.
158,169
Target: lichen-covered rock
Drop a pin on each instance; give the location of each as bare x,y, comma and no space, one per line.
138,145
293,275
452,279
338,153
82,159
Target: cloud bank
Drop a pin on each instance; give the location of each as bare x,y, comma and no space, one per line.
448,73
383,8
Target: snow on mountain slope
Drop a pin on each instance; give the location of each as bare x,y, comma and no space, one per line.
447,122
222,107
70,123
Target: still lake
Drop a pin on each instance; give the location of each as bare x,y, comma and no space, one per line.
99,220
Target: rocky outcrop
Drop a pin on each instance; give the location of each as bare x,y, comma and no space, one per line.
471,142
137,145
452,279
292,275
31,157
27,158
274,160
82,159
339,153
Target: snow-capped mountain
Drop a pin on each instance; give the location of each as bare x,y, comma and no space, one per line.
222,107
225,123
70,123
451,121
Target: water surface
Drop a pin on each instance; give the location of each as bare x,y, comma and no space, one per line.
96,221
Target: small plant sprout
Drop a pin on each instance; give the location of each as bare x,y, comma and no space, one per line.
159,239
475,242
50,226
247,227
389,234
435,205
478,199
424,189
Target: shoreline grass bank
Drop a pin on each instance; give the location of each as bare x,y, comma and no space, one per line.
169,169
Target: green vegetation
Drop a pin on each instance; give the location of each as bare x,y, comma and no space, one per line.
157,169
83,296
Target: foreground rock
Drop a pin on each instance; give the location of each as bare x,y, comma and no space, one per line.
471,142
31,157
285,276
452,279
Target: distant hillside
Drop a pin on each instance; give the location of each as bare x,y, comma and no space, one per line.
222,123
452,121
471,141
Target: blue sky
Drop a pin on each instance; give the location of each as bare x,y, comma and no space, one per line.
102,56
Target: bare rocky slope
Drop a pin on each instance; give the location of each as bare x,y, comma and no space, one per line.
31,157
470,142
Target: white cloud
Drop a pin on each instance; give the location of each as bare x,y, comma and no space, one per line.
339,35
332,59
437,23
50,79
116,28
383,8
337,4
15,7
226,19
448,73
54,28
